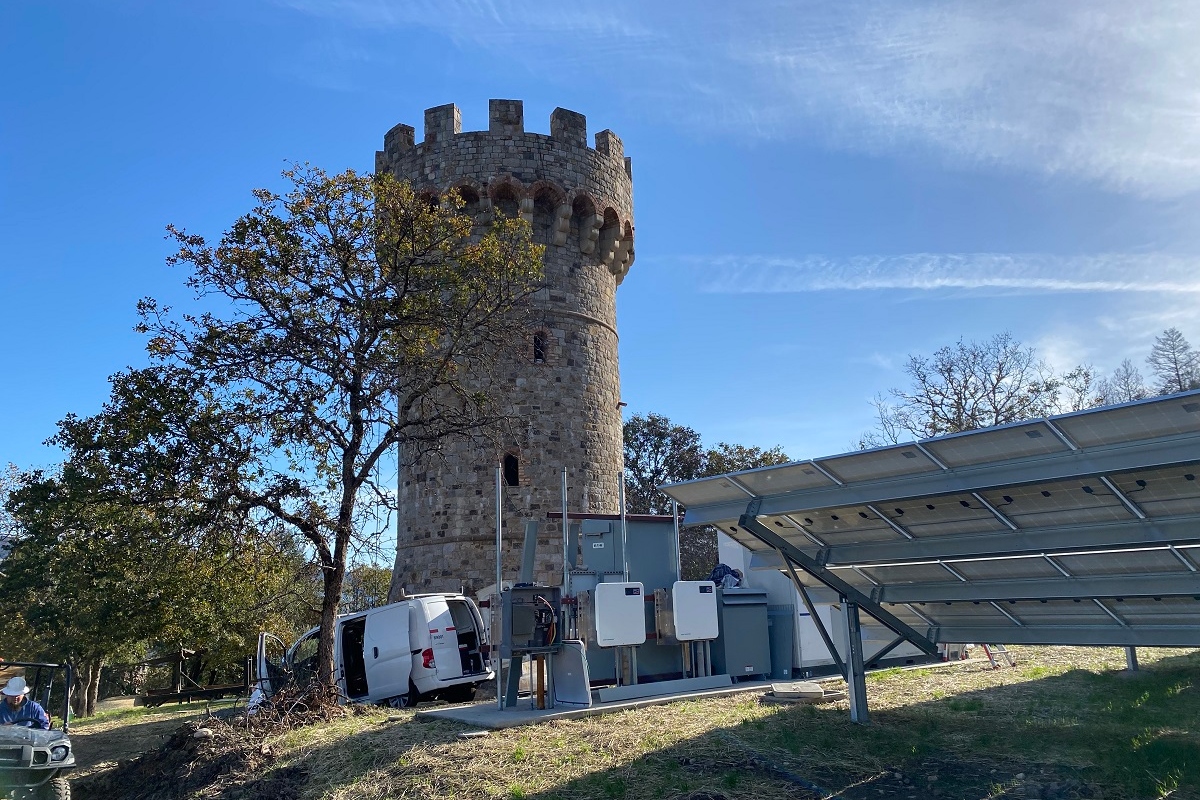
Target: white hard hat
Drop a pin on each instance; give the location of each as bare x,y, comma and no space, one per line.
16,687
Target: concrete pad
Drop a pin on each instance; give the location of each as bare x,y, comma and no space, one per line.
487,715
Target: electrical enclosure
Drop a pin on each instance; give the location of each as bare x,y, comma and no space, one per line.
530,619
620,614
695,607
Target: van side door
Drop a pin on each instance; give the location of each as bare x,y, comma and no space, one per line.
386,653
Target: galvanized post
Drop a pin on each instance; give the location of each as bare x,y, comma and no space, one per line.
624,532
497,615
568,556
856,678
678,546
1131,659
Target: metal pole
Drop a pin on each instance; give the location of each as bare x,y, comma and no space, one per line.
567,557
1131,659
624,531
497,611
678,551
856,678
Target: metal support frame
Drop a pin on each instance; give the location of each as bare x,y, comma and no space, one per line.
883,651
1184,584
1131,659
1052,467
812,613
856,679
1025,541
1083,635
850,592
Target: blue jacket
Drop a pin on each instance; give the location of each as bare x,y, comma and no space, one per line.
30,714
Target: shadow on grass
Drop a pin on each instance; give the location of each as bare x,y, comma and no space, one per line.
1075,735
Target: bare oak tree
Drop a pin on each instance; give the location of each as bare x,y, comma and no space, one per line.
966,386
1176,366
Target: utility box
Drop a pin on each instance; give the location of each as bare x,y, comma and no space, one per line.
781,620
694,604
743,648
620,614
531,619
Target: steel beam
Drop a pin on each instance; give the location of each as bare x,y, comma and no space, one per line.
856,677
748,522
1182,449
883,651
1184,584
1090,635
816,619
1027,541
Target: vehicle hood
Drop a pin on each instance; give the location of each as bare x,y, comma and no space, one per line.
15,734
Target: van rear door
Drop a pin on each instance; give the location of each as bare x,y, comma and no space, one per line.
386,653
443,637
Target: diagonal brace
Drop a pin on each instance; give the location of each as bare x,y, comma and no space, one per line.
750,522
812,614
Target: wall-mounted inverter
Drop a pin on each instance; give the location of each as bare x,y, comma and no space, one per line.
620,614
695,607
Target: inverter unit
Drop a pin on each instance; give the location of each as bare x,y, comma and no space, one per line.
695,608
620,614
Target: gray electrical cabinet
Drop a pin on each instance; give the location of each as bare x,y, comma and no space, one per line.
743,648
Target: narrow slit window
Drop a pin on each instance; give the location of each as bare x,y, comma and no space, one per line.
512,470
539,347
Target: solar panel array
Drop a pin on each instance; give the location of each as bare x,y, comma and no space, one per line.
1082,528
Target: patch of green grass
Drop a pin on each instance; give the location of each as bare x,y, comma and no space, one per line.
965,705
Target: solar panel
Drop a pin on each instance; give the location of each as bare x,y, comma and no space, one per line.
787,478
1168,417
1001,444
870,465
1077,538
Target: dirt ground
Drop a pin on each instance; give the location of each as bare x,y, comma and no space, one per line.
100,745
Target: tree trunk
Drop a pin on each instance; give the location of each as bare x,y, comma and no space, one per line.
93,689
79,691
86,687
334,577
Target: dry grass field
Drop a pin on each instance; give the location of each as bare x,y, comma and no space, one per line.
1063,723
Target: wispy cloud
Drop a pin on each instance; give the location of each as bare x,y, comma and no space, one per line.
1104,91
943,271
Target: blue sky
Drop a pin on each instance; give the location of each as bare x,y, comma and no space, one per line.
820,188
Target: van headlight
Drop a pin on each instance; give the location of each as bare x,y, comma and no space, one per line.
59,752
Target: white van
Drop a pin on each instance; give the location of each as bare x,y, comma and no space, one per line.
424,647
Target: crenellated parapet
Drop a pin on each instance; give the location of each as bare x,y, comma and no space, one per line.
573,195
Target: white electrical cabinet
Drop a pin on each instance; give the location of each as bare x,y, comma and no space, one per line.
694,604
620,614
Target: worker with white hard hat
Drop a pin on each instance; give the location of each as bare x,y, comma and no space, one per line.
18,709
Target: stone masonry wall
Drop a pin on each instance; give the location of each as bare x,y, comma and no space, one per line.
566,388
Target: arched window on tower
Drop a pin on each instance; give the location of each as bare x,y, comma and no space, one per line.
512,470
539,347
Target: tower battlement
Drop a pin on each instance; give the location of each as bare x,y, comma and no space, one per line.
569,192
564,379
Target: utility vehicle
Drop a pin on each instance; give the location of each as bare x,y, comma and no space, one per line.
33,762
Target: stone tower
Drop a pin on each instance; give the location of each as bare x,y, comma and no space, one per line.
564,374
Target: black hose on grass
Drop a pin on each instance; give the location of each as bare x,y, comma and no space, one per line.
788,776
